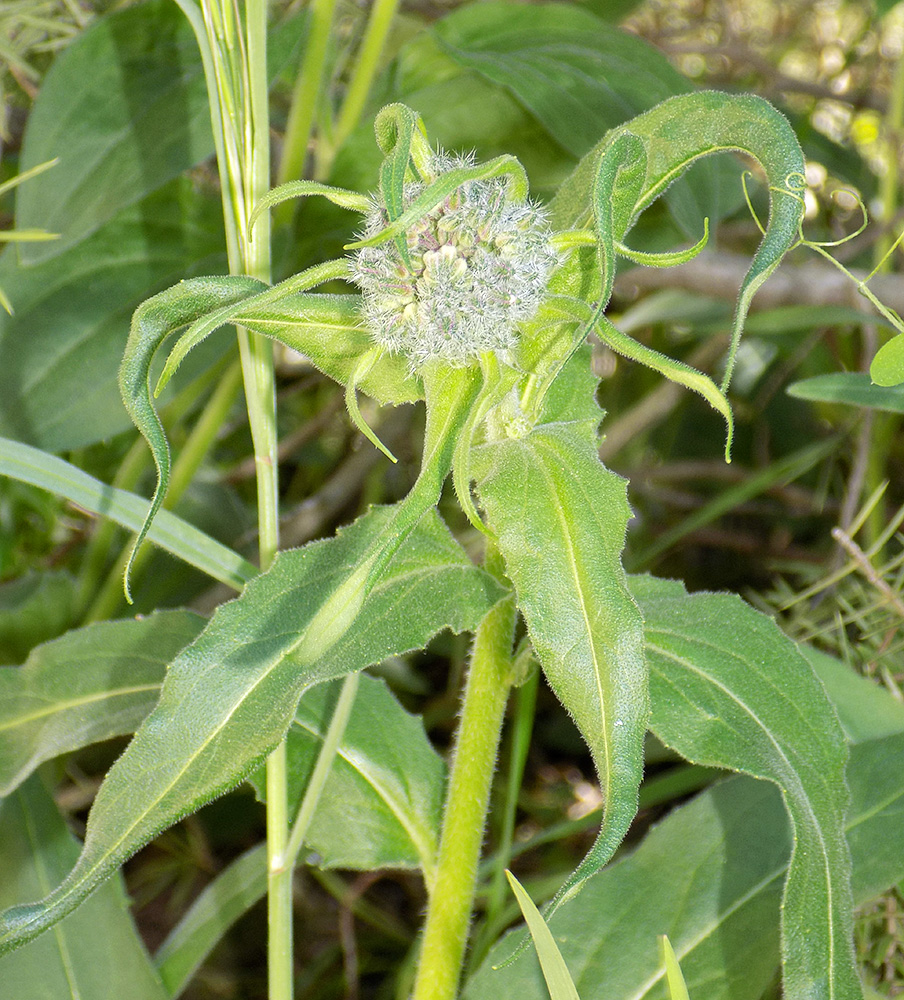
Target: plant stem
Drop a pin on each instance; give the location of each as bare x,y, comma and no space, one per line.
305,98
523,716
279,879
366,62
317,782
467,801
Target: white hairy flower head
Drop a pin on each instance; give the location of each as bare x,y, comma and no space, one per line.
479,266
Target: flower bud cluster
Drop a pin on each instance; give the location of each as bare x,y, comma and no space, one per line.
479,266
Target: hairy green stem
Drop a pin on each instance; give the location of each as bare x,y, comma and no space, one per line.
523,722
467,801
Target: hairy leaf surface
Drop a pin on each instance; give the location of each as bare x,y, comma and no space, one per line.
729,689
230,697
680,131
89,685
560,518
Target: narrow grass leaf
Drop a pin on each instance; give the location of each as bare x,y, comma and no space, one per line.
674,978
89,685
852,388
171,533
555,971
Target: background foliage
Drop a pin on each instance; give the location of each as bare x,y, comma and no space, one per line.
804,523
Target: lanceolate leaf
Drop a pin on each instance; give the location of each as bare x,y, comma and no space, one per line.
729,689
88,685
560,518
710,876
229,698
153,322
95,953
381,807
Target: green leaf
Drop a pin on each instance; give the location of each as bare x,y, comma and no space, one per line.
560,518
853,388
325,328
89,685
124,107
380,808
887,368
710,876
95,953
573,72
230,697
676,133
555,971
153,322
60,352
30,465
33,608
382,804
865,710
235,889
729,689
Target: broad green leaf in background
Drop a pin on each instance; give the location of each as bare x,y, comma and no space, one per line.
30,465
89,685
560,518
728,689
382,804
230,697
60,352
95,953
579,77
864,709
853,388
573,72
124,107
710,876
33,608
